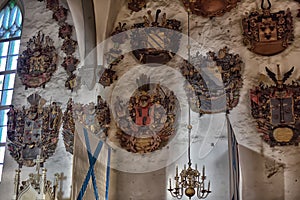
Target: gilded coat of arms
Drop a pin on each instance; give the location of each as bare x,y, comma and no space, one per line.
276,109
268,33
38,62
149,120
210,8
33,131
213,82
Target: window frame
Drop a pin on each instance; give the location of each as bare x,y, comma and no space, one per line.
10,40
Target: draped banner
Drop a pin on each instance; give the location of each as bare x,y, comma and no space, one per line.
234,164
91,166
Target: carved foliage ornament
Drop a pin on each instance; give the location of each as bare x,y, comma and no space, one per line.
276,109
213,81
33,131
38,62
95,117
148,121
268,33
210,8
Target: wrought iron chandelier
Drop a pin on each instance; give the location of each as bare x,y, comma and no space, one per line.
190,181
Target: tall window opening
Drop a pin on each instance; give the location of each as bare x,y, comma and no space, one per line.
10,35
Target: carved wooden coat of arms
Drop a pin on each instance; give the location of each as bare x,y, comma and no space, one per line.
213,81
210,8
268,33
38,62
33,131
94,117
276,109
148,121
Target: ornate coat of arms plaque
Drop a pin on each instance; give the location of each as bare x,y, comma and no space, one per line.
38,62
155,40
213,81
149,121
33,131
276,109
159,43
268,33
95,117
210,8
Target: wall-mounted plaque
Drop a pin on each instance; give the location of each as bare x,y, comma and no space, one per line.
276,109
33,131
37,63
268,33
148,122
213,81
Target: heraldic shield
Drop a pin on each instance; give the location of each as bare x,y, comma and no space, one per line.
38,62
268,33
149,120
33,131
213,82
94,117
276,109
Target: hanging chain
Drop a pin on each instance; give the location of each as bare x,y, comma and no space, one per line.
262,5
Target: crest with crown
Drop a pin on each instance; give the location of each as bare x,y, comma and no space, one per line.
33,131
37,63
268,33
156,40
148,121
276,108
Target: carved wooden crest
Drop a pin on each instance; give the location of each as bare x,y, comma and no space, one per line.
38,62
213,81
268,33
33,131
95,117
210,8
159,43
276,109
148,121
155,40
136,5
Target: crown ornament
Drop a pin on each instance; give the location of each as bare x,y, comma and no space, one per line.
268,33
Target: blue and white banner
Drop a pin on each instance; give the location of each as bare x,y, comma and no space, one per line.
91,166
234,164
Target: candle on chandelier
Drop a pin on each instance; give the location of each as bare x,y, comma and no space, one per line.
208,186
203,171
170,183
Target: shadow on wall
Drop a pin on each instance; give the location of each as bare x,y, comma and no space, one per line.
262,177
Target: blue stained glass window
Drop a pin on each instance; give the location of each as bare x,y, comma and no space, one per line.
10,35
10,21
3,134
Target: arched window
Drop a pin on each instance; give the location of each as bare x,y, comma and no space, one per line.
10,35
